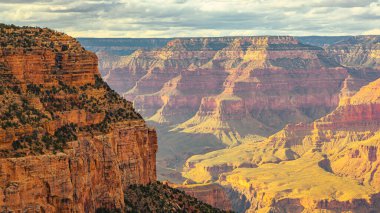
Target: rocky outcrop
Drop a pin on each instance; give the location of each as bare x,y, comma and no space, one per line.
91,174
198,81
68,142
277,175
227,91
113,53
158,197
212,194
359,52
240,90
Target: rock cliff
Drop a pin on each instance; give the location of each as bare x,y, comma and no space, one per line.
205,94
198,81
279,174
158,197
226,91
113,52
68,143
212,194
358,52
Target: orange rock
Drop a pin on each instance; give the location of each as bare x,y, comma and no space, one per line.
92,170
213,194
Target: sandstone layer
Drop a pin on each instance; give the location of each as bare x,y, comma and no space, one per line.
210,93
330,164
213,93
68,142
113,52
212,194
195,82
359,52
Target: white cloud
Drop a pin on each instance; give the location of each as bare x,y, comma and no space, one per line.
169,18
372,32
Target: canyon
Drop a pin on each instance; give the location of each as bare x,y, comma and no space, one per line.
69,143
261,117
279,173
60,152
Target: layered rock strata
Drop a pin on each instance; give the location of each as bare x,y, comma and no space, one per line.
68,142
199,81
212,194
279,173
227,91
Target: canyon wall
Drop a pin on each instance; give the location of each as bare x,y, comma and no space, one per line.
68,142
226,91
212,194
262,117
279,174
113,52
357,52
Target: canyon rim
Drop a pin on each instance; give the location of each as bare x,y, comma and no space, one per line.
189,106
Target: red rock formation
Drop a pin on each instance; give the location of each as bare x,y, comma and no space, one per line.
359,52
234,88
260,78
50,82
212,194
89,175
344,145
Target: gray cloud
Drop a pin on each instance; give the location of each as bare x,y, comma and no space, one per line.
160,18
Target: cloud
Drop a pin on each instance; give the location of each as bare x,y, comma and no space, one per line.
372,32
170,18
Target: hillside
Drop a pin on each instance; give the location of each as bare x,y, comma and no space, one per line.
113,52
158,197
340,149
217,92
69,143
232,94
359,52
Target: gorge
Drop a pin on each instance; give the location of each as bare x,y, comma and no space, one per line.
261,117
69,143
248,123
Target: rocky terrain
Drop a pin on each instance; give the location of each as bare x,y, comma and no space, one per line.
231,94
359,52
68,142
225,91
113,52
279,174
159,197
213,194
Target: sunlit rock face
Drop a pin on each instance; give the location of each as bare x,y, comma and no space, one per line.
285,112
113,52
279,174
360,52
212,194
245,85
68,142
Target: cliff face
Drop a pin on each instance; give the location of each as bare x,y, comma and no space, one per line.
227,91
199,81
278,174
213,93
359,52
158,197
113,53
68,142
212,194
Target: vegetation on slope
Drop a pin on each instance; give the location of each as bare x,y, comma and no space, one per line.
38,118
159,197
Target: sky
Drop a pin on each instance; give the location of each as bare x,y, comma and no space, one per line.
193,18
